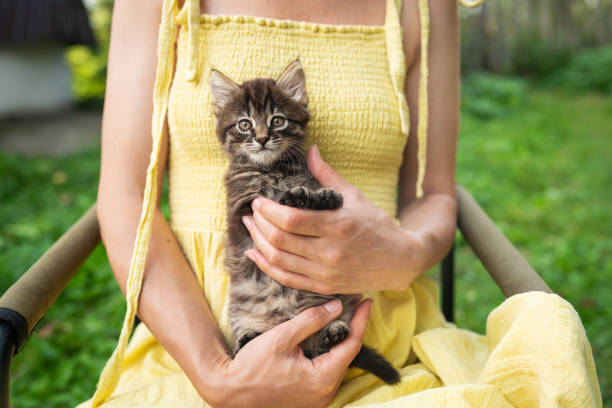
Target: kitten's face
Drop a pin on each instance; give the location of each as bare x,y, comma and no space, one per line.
262,120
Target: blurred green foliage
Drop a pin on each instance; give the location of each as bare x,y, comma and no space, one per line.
537,58
88,65
541,170
487,96
589,69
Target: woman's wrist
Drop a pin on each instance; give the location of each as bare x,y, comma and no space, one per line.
212,376
428,226
409,257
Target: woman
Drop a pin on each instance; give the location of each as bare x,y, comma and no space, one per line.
367,66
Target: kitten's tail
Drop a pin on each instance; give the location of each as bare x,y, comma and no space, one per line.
370,360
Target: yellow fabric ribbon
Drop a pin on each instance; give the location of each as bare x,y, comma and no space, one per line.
423,96
474,3
397,67
165,54
193,28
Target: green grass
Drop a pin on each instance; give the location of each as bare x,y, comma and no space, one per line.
540,168
543,173
41,197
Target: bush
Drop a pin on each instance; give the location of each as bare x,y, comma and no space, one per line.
587,70
88,65
487,96
536,58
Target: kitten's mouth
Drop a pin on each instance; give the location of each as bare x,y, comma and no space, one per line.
264,155
267,147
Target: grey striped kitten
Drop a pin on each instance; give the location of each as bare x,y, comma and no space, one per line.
261,124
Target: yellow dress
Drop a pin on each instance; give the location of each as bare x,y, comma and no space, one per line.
535,352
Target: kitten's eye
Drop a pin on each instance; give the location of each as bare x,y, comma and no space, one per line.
244,125
278,121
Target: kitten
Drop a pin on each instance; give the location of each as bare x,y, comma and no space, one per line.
261,124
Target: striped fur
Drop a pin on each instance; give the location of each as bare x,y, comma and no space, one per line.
261,124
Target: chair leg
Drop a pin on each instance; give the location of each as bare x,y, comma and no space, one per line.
447,269
7,349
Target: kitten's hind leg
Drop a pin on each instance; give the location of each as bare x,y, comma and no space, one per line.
244,339
334,333
324,340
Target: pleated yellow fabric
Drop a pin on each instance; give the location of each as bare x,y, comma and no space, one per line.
359,120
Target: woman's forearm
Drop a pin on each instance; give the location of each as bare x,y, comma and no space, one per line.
431,221
171,303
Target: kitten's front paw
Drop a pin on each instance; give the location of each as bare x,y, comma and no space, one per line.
334,333
329,199
297,197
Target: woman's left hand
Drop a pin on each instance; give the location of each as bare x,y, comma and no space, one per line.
357,248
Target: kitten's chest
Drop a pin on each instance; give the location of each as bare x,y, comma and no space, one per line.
260,181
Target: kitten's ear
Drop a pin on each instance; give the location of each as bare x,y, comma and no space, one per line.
293,83
222,89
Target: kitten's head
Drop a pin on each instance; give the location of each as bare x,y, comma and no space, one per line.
262,120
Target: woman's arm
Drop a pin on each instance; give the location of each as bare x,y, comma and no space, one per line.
432,218
172,304
358,248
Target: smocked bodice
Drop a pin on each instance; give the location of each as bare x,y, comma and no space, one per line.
355,113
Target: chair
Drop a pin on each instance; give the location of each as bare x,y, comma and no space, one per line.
24,304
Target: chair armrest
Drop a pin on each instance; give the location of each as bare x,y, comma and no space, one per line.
505,264
28,299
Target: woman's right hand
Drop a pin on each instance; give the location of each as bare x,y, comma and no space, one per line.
272,371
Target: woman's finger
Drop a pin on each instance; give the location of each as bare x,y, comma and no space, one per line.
303,245
279,258
325,174
287,278
292,332
297,221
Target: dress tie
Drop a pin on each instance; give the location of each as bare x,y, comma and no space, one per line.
193,29
165,68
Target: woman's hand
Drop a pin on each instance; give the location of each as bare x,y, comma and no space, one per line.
357,248
272,371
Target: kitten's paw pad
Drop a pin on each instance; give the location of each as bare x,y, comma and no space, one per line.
245,338
329,199
296,197
335,333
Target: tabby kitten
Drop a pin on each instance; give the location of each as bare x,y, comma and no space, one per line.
261,124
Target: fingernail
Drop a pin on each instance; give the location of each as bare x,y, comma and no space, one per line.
246,221
315,150
256,204
333,306
249,254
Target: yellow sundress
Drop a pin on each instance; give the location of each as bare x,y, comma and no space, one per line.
535,352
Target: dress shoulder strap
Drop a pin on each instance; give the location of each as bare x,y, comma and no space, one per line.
193,28
470,4
165,68
397,67
423,95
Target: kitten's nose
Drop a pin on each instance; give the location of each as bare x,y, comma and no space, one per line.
262,139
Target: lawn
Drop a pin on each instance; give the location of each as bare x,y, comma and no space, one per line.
538,161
